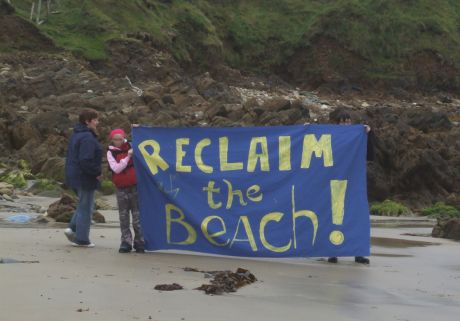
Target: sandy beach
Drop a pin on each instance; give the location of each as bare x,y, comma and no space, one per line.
410,278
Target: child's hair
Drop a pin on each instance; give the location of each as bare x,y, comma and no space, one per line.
87,114
342,116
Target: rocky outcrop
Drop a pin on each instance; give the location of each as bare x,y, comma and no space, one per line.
417,139
63,209
417,155
449,229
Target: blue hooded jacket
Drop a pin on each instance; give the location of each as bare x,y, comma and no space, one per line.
84,159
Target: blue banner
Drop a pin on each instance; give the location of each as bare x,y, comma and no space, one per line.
288,191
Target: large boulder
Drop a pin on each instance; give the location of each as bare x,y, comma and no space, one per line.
38,152
63,209
427,120
447,228
52,122
276,104
415,160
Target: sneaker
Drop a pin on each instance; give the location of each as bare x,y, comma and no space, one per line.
362,260
125,248
86,245
332,260
70,234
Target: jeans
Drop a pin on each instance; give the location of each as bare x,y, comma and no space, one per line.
81,219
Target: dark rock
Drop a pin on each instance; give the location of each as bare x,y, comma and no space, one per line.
427,120
204,82
212,90
416,160
400,93
52,122
23,132
247,119
445,99
290,116
220,121
63,209
168,100
268,118
447,228
168,287
276,104
37,152
190,269
236,115
215,110
152,93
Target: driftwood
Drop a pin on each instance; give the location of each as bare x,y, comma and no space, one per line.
137,90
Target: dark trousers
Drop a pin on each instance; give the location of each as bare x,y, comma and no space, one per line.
128,206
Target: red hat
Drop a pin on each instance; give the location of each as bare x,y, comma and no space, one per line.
117,131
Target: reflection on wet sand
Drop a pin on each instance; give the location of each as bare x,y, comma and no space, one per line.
399,243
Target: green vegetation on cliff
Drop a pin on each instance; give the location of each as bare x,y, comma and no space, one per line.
381,35
389,208
442,210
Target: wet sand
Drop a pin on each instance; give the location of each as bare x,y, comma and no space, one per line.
407,280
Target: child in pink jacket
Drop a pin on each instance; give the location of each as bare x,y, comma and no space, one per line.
119,156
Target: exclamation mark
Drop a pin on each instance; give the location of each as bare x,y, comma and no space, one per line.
338,190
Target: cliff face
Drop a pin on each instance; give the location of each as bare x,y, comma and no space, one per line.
417,139
411,43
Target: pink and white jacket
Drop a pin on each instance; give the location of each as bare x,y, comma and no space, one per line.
121,165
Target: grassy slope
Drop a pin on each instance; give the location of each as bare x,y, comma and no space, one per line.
261,34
